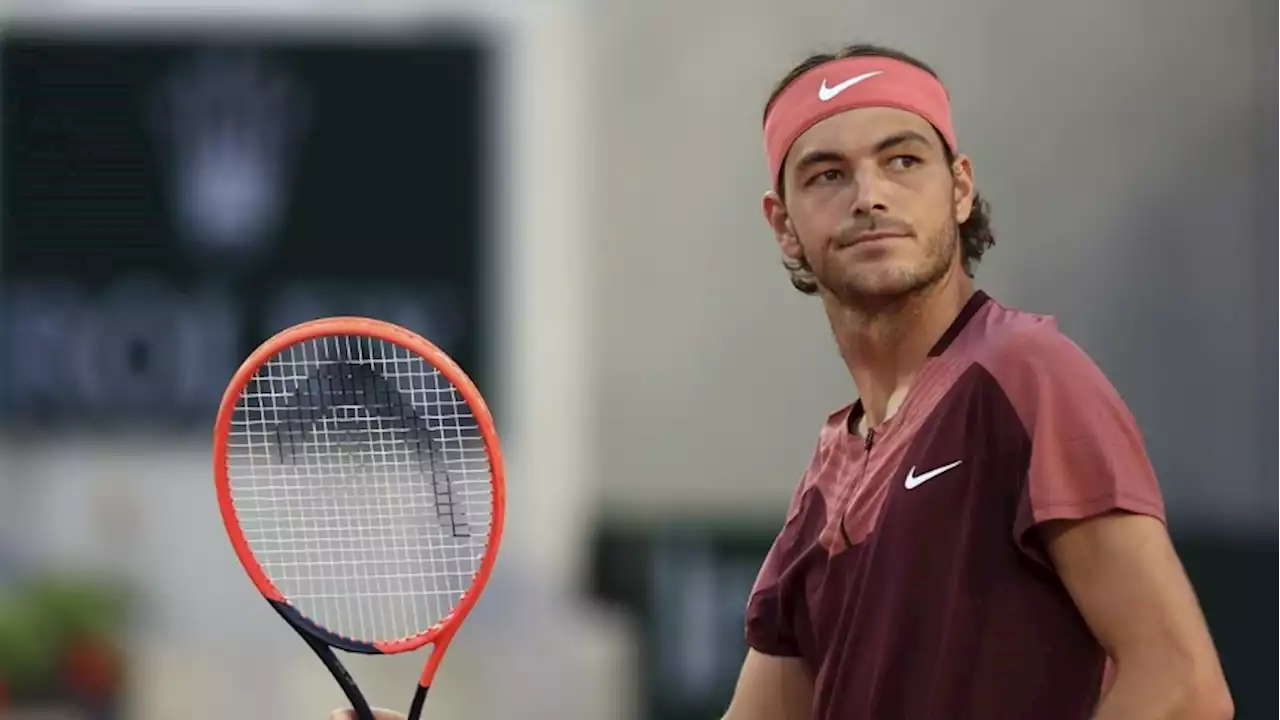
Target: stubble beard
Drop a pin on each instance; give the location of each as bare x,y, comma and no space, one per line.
875,289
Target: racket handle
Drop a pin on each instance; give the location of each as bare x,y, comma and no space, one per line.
419,699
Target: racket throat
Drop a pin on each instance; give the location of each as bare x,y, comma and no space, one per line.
348,684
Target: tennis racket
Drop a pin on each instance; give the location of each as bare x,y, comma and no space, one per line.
360,481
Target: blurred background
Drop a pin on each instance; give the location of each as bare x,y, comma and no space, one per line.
564,195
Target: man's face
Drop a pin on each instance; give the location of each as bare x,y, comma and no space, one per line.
872,204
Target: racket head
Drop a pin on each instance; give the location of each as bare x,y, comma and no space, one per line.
229,482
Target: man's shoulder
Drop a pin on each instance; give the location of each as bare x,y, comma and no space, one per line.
1035,363
1017,343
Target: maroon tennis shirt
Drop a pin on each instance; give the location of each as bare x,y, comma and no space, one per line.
910,576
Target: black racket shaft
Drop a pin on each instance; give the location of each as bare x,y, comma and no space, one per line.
348,684
336,668
339,672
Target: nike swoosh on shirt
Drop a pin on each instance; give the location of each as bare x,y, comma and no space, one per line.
826,93
915,481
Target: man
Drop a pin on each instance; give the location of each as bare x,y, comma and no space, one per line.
982,529
981,534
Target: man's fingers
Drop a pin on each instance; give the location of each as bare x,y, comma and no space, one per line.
377,714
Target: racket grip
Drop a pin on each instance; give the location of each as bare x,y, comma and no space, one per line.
419,699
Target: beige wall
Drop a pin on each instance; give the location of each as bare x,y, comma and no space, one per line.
1126,149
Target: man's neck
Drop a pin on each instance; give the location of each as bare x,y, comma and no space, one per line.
885,348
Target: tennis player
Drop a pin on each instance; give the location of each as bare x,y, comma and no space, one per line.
981,534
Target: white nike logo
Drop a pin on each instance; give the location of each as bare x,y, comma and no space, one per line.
826,93
915,481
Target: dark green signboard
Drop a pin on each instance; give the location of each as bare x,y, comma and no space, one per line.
169,202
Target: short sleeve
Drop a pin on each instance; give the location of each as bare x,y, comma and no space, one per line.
1086,454
774,607
770,621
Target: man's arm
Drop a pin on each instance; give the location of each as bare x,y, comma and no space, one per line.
772,688
1125,577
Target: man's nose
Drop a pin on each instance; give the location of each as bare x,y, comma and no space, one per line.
868,195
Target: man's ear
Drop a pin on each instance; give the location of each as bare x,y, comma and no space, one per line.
775,213
963,188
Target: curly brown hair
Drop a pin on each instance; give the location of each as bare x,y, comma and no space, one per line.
975,233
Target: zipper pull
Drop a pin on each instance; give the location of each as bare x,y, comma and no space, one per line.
871,436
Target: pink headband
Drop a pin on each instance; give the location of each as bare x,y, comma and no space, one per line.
850,83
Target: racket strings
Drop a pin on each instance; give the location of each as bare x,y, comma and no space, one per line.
361,481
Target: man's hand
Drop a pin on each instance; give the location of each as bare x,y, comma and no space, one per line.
377,715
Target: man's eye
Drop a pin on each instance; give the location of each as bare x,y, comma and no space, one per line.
903,162
831,175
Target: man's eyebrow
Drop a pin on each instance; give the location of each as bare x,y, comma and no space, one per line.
816,157
819,156
901,138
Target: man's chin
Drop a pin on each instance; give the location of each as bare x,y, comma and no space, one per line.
879,290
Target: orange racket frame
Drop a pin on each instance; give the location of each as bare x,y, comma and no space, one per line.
321,640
